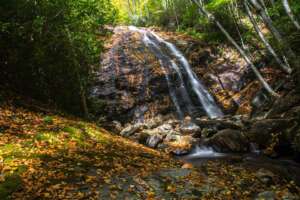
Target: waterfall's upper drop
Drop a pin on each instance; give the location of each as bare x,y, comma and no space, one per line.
152,40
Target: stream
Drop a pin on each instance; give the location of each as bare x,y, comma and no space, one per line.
284,167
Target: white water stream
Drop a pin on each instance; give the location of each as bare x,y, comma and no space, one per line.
156,44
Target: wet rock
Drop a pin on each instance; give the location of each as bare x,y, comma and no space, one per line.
218,124
265,176
115,126
190,128
261,130
293,112
207,132
180,152
284,104
172,137
142,137
229,140
267,195
164,129
154,140
131,129
154,122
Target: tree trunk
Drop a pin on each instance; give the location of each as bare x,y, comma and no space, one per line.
290,13
241,51
273,30
286,68
84,103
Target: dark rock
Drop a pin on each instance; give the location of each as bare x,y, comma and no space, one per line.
180,152
284,104
265,176
114,126
218,124
229,140
208,132
267,195
261,130
142,137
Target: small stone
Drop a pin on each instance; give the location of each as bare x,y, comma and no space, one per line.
187,166
267,195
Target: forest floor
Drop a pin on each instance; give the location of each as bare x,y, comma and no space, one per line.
48,156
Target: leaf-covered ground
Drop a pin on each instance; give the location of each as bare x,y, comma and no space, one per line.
44,156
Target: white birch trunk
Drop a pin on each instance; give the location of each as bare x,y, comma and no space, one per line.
289,12
241,51
286,68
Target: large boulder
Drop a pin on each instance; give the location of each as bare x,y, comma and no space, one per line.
229,140
261,130
283,104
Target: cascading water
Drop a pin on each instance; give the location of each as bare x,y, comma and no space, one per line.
164,64
204,152
203,95
156,44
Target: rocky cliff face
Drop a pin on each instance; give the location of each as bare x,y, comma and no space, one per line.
131,86
130,82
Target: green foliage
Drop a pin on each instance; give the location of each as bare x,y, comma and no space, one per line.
47,48
48,120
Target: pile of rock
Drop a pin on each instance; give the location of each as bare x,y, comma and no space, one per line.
231,134
163,134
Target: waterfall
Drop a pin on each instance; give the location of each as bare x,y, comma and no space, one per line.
164,63
203,95
156,44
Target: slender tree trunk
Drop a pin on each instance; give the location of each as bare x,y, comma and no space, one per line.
264,7
241,51
83,102
235,17
273,30
289,12
175,13
286,68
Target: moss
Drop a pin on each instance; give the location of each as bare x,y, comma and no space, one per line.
76,134
70,130
48,120
50,137
11,184
217,4
10,151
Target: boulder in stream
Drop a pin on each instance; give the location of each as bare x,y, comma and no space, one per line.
229,140
261,130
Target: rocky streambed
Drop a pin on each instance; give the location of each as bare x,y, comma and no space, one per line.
142,89
264,142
